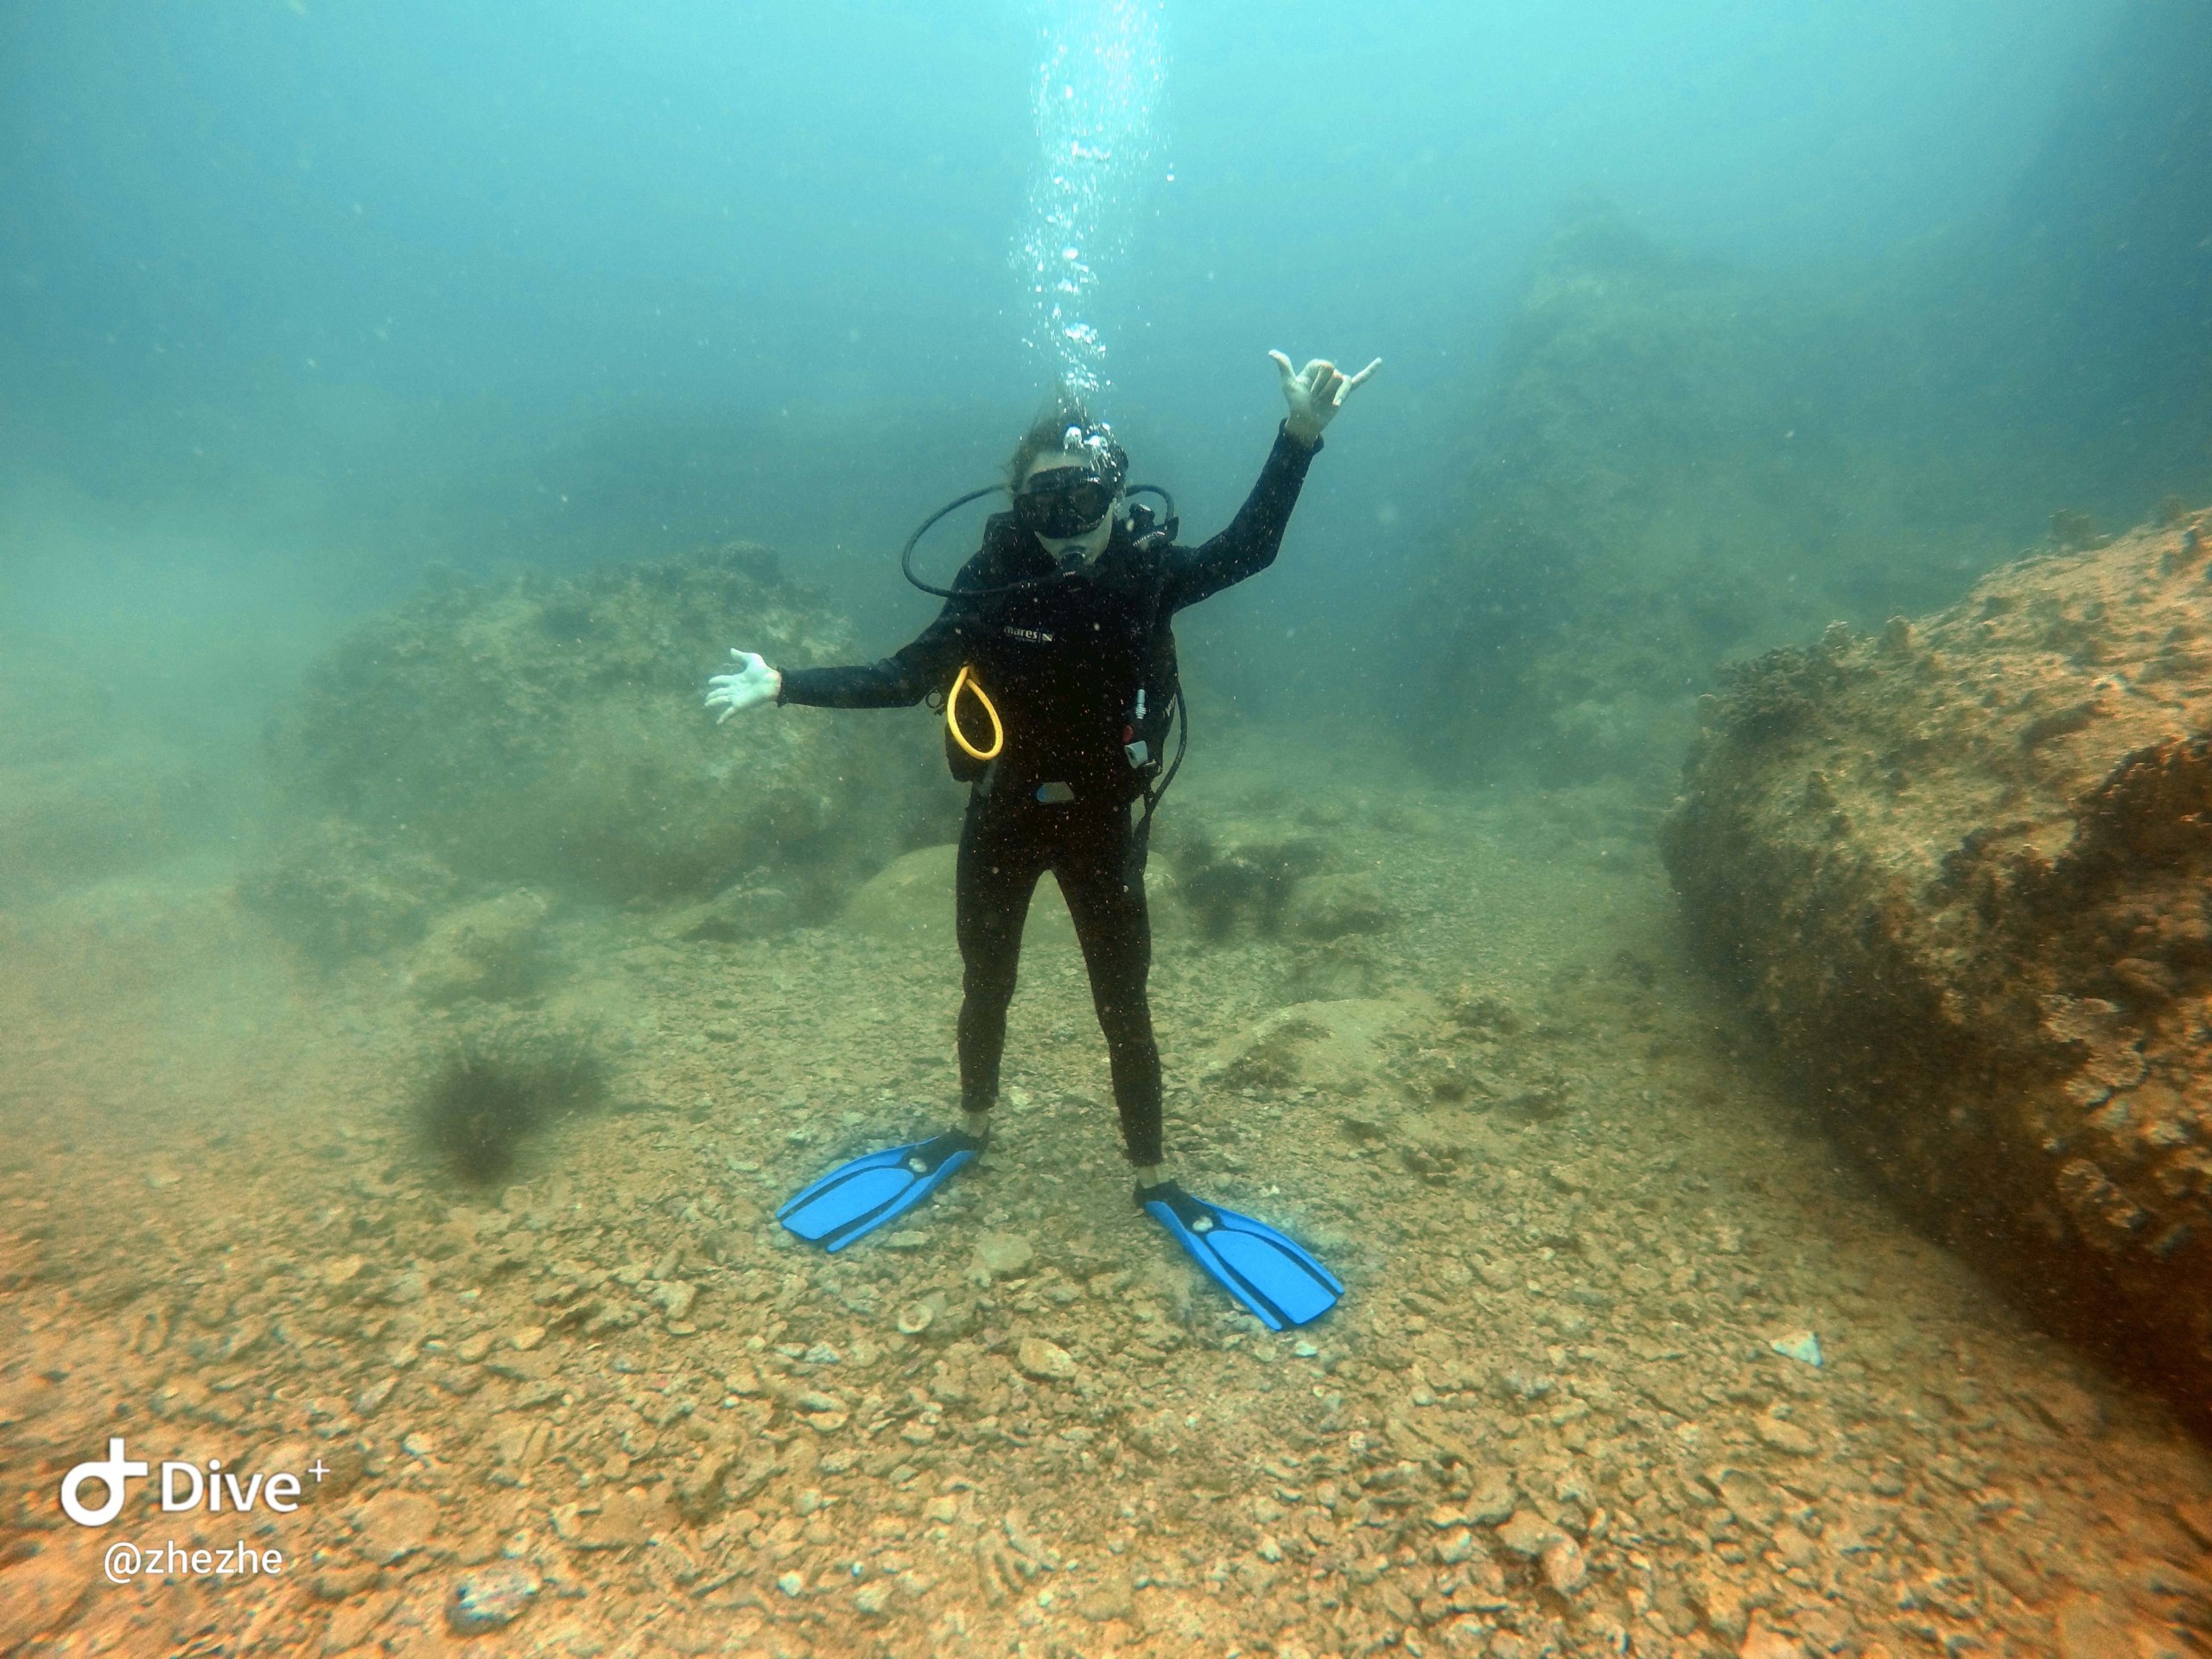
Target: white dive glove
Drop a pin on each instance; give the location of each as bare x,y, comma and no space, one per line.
753,683
1315,393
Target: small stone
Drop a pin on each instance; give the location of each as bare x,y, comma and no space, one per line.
1003,1256
1528,1534
906,1238
1785,1436
393,1525
1492,1499
1047,1362
1721,1603
1800,1345
1762,1640
526,1337
343,1271
490,1597
872,1600
1458,1547
1113,1597
1565,1569
673,1297
916,1318
790,1583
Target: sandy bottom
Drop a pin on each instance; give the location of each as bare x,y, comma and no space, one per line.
608,1400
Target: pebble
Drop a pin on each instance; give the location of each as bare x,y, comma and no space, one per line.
674,1298
490,1597
1047,1361
1786,1437
916,1318
1565,1567
1528,1534
1003,1256
1801,1345
790,1583
393,1525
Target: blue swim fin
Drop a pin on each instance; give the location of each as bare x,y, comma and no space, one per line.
856,1198
1272,1274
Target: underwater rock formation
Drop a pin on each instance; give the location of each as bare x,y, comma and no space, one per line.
1963,874
335,892
1679,462
549,731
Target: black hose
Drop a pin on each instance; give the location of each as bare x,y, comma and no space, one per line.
1168,521
906,553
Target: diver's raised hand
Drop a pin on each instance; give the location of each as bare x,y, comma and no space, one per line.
753,683
1315,393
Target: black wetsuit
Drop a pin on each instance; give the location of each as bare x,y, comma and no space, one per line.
1062,661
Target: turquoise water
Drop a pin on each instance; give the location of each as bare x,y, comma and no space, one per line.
413,1007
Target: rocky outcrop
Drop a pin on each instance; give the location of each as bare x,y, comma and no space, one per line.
549,731
1963,873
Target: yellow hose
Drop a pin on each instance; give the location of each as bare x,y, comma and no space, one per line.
998,732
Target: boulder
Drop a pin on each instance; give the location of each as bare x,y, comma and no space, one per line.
1962,871
493,950
549,731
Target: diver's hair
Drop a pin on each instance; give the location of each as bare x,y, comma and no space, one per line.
1048,432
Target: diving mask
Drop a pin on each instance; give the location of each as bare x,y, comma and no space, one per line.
1063,502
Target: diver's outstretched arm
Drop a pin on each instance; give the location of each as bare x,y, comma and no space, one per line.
1251,540
926,663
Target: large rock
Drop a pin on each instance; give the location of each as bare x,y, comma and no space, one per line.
550,732
1964,873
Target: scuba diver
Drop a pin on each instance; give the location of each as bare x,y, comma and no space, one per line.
1055,663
